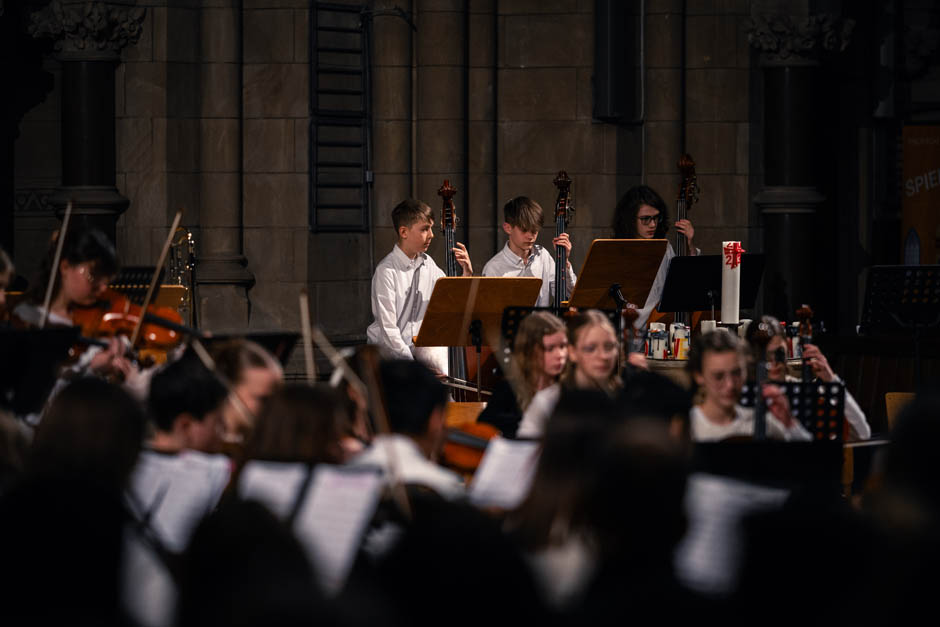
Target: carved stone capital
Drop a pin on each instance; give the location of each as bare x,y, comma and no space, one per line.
88,30
789,40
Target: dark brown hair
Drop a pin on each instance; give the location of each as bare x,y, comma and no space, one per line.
410,211
624,224
714,342
300,423
524,213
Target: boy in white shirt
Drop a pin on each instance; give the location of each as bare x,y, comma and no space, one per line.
717,365
402,285
521,256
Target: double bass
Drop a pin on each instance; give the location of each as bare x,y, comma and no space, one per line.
456,355
563,211
687,196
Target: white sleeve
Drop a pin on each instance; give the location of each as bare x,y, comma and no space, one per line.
856,417
795,433
572,278
536,414
385,309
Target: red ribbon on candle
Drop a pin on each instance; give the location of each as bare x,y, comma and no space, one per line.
733,254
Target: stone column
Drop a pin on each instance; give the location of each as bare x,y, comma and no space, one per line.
88,39
790,52
222,278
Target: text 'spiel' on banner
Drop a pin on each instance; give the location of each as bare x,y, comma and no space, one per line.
920,194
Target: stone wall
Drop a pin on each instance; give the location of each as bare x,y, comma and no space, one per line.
213,116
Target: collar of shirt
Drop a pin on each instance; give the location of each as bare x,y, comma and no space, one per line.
405,262
516,260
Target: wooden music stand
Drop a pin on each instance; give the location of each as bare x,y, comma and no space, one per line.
463,310
616,267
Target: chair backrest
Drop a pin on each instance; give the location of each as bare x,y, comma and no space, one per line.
894,403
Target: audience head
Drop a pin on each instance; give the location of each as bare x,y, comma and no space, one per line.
92,432
641,214
555,505
716,362
245,567
300,423
593,352
186,403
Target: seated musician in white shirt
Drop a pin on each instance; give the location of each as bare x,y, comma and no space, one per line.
521,256
402,286
415,400
642,214
716,362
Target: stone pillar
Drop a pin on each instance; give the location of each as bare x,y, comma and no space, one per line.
222,278
790,51
88,39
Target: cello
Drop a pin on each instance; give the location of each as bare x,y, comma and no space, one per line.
563,211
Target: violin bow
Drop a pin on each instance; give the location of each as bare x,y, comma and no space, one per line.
54,271
156,276
309,362
377,400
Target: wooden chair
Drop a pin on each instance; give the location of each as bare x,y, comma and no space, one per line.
894,403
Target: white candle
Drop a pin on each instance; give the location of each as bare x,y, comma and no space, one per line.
730,281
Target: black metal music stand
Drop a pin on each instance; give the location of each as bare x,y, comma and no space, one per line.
30,365
133,282
694,283
819,406
903,300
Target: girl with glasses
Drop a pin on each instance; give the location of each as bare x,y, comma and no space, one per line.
642,214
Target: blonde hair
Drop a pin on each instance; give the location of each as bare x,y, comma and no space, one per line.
528,350
577,324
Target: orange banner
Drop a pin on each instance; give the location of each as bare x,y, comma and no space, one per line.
920,194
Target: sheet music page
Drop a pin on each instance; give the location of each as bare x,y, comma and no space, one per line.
709,556
505,473
177,491
339,505
273,484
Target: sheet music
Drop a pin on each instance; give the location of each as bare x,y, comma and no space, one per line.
708,557
505,473
177,491
338,507
273,484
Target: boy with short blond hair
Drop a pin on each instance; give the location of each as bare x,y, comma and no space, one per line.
402,285
521,256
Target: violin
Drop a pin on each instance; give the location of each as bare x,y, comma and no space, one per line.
464,446
115,315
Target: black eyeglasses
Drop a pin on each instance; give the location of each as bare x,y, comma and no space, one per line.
648,220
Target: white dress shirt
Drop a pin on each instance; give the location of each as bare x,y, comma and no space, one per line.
540,264
704,430
401,289
411,464
656,291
